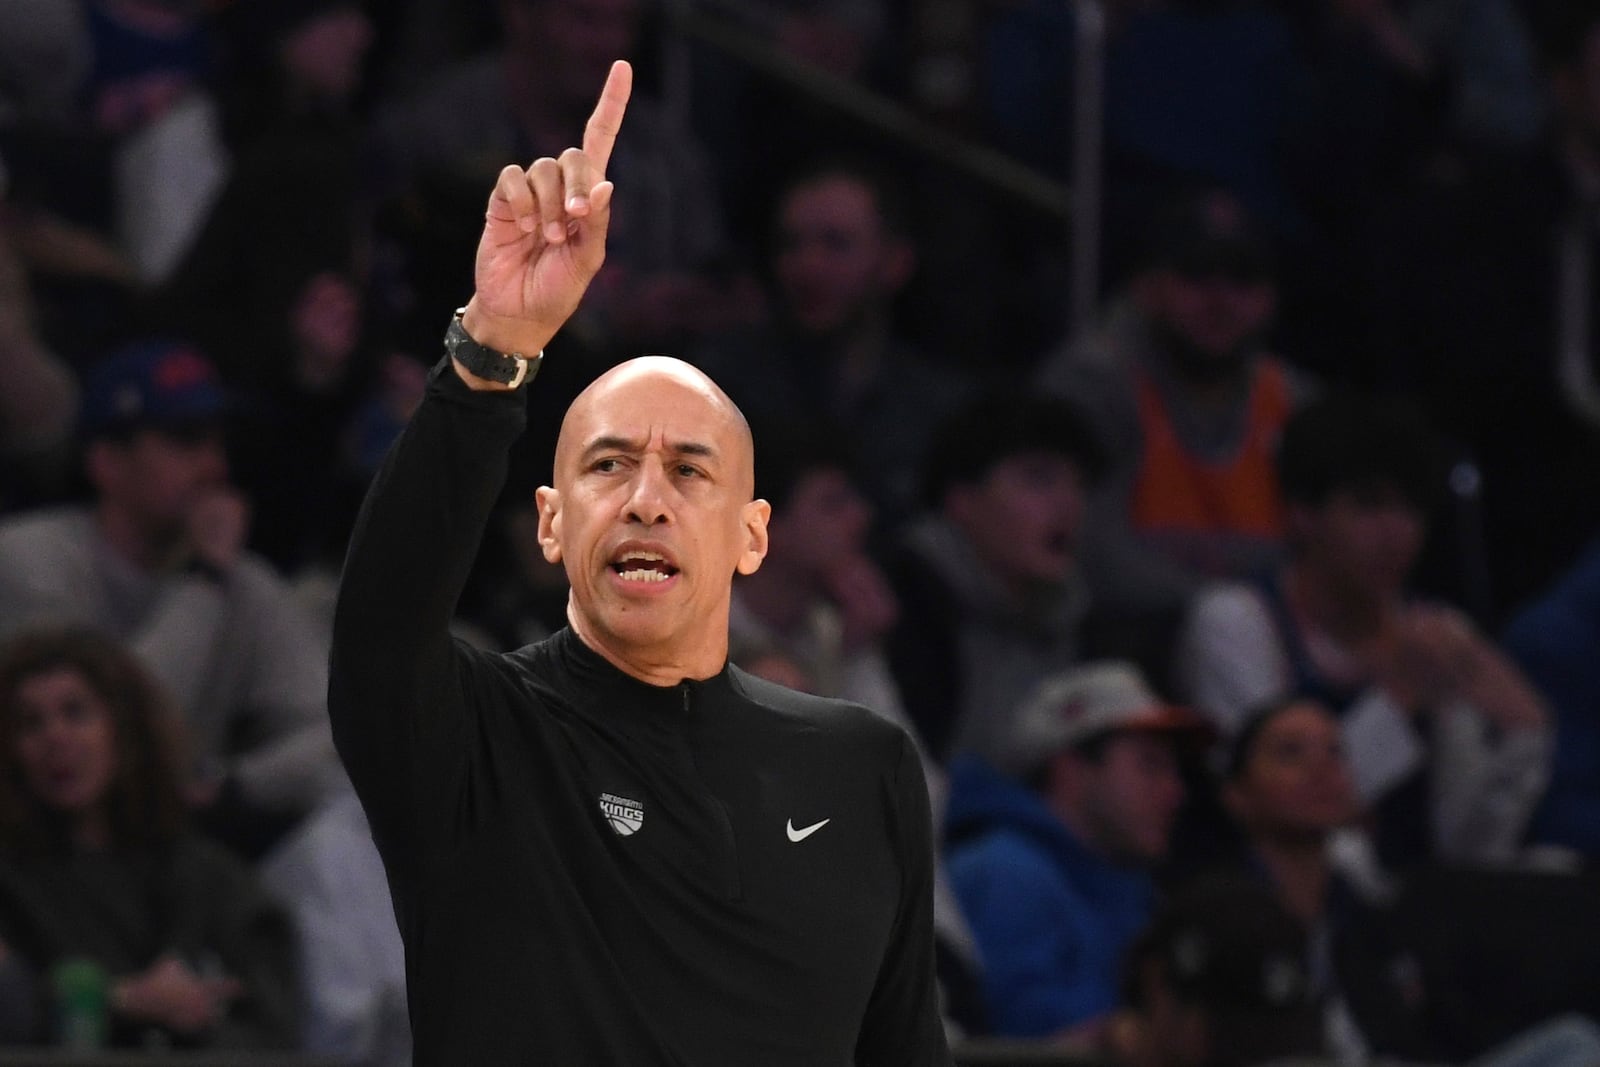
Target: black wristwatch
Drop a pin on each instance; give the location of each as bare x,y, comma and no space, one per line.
511,368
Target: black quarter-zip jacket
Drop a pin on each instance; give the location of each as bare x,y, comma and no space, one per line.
591,870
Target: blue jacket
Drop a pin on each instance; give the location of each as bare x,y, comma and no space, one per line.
1051,918
1555,640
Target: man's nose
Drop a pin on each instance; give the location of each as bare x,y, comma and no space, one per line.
649,503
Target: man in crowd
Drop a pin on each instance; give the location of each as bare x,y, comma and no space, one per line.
842,255
1051,845
1449,744
158,560
1221,978
992,599
1188,400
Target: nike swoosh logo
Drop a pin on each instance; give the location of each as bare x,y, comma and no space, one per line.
801,835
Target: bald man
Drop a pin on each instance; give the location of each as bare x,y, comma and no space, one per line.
611,847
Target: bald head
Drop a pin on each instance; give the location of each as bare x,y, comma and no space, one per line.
634,400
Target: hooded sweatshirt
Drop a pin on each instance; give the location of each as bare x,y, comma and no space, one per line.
1052,918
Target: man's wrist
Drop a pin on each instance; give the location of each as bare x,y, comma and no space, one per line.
509,335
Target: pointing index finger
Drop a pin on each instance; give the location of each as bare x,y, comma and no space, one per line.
600,135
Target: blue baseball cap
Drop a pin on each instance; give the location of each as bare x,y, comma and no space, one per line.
151,384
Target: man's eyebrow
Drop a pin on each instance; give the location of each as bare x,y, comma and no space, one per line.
612,443
617,443
692,448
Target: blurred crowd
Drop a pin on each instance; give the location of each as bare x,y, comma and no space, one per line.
1250,631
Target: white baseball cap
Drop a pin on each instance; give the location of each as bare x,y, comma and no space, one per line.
1083,702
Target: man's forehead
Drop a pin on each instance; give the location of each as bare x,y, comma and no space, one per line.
654,399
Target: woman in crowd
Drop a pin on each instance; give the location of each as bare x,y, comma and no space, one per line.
98,863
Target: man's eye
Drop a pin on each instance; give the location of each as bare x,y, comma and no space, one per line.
686,471
605,466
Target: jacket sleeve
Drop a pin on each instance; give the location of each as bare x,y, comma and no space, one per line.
903,1023
1486,784
398,680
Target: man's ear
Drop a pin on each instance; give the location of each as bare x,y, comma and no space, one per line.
755,516
548,501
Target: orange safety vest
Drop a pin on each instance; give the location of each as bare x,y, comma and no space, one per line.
1176,492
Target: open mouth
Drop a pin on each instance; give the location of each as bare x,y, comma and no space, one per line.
642,565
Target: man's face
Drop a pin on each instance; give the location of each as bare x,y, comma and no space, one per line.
1368,538
1023,517
836,262
158,476
1214,316
1131,796
825,519
651,512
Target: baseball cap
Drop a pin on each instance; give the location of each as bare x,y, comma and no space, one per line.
157,384
1227,944
1075,705
1208,233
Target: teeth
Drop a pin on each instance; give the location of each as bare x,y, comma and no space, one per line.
652,557
643,576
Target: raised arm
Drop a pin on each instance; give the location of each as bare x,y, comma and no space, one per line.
396,687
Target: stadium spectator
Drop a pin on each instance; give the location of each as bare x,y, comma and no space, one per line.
352,963
1448,743
1189,401
1220,978
1050,846
842,255
156,558
1553,640
98,862
991,593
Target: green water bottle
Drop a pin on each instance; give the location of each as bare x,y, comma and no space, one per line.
81,988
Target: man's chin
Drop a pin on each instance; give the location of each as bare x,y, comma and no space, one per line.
641,626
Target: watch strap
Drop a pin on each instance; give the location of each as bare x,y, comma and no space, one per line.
509,368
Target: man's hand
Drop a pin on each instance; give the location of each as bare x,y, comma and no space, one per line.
1435,654
219,523
1416,659
866,603
544,236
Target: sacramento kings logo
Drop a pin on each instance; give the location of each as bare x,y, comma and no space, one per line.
624,815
